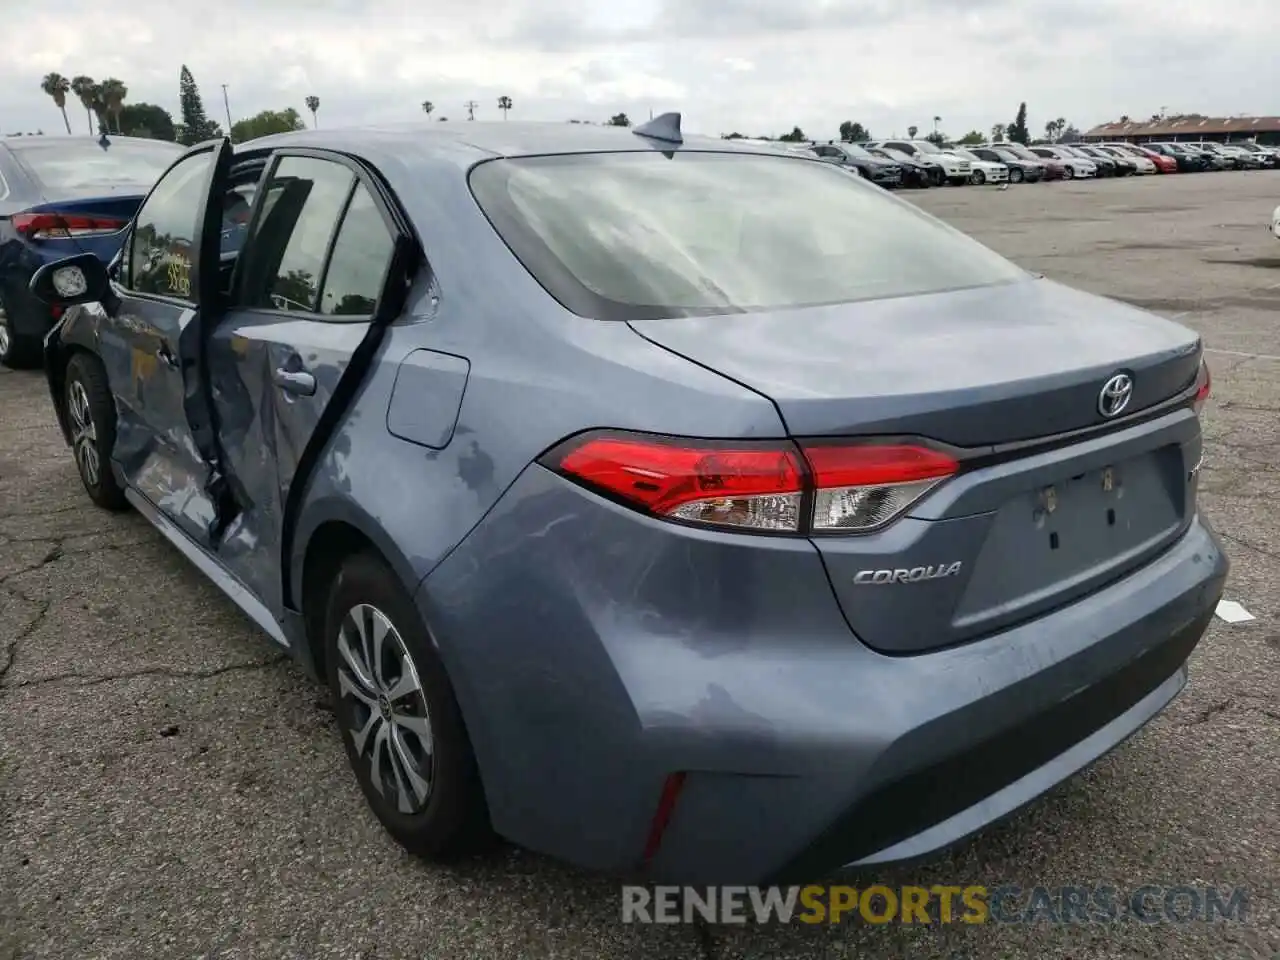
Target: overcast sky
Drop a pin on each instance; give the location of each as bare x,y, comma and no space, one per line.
757,66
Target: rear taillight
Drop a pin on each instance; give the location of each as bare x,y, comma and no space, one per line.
863,487
767,486
1204,385
62,226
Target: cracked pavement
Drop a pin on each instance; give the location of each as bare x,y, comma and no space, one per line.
170,786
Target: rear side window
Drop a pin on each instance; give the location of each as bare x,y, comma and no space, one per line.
310,197
320,245
361,255
61,165
646,234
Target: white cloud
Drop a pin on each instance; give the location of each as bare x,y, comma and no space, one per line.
757,66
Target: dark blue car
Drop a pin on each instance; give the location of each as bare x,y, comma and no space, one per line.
61,196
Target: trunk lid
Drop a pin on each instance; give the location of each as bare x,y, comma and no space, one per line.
971,368
1021,529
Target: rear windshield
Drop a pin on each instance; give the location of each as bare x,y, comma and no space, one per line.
59,165
627,236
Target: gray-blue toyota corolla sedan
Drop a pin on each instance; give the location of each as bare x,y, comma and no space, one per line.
672,507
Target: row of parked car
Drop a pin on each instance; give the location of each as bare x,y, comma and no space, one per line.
922,163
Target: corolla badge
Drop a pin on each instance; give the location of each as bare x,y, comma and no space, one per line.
907,574
1115,395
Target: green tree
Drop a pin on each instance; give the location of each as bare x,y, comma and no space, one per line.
147,120
619,120
196,126
997,133
113,94
851,132
733,136
266,123
912,131
87,92
936,138
313,104
504,104
57,86
427,108
795,136
1017,131
1069,135
971,138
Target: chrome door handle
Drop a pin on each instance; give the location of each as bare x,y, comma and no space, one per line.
294,381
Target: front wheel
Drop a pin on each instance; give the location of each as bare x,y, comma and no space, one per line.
401,725
1015,175
936,177
91,418
977,178
1069,174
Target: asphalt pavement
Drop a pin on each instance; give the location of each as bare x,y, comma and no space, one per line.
171,787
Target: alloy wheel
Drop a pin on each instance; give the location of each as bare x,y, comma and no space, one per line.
385,709
84,434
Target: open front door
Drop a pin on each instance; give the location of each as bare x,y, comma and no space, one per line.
192,354
165,301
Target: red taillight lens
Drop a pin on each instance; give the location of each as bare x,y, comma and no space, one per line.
54,226
770,486
757,486
1204,385
863,487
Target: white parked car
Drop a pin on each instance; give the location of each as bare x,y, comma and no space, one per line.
1078,168
949,166
1145,164
980,171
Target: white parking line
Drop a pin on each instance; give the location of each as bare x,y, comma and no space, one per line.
1241,353
1233,612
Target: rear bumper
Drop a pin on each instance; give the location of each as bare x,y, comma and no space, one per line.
595,652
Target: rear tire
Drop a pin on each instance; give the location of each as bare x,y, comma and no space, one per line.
91,417
401,724
18,351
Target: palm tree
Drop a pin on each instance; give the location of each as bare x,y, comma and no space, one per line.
313,104
58,86
113,94
997,133
911,132
427,108
86,91
504,104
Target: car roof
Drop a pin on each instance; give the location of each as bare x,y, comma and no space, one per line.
480,140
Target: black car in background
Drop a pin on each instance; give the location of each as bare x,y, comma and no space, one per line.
1212,159
915,174
1109,164
1020,170
1187,160
879,170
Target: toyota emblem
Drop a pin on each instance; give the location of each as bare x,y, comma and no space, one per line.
1115,395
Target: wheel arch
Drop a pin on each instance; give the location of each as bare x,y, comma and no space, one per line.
331,532
75,333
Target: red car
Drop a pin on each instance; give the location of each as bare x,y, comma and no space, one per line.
1163,164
